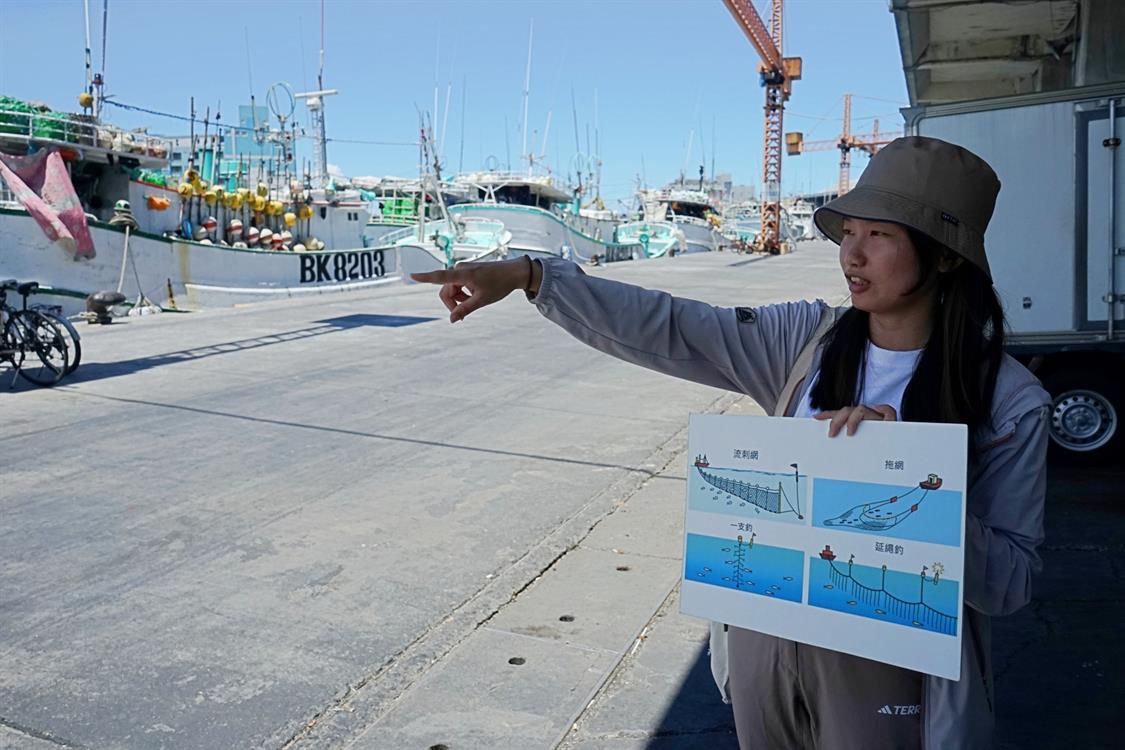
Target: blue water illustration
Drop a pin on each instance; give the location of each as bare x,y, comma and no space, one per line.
916,512
775,496
913,600
744,564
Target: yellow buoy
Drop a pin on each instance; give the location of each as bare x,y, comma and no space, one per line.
210,196
263,189
185,189
258,203
290,218
275,208
85,100
305,212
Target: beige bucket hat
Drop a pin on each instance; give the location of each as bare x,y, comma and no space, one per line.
941,190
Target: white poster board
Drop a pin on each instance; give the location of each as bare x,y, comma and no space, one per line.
853,543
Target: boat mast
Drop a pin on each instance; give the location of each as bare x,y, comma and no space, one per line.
89,63
315,103
464,92
526,91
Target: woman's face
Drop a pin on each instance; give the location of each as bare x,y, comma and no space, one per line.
881,267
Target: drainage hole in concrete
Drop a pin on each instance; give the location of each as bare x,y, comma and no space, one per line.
517,660
622,568
566,618
439,746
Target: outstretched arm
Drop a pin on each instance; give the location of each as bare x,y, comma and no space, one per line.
750,350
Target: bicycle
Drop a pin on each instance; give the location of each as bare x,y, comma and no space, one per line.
73,340
31,341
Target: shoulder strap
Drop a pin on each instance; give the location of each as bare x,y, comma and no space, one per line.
804,360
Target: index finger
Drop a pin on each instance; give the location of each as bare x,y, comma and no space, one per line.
452,276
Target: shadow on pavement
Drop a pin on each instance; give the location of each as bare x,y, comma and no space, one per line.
696,717
91,371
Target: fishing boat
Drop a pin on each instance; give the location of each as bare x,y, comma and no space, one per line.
199,243
398,202
691,211
800,221
658,238
742,222
539,214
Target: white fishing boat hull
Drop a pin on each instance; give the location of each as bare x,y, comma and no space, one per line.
699,237
539,233
181,275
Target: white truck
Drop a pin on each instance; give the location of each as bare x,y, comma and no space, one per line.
1056,246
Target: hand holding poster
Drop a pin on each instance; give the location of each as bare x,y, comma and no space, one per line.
853,543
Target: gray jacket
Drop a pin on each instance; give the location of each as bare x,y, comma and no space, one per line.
754,350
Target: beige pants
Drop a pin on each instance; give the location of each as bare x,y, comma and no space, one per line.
788,696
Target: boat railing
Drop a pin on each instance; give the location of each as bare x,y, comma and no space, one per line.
82,131
685,219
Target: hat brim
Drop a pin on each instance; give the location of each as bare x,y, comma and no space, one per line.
872,204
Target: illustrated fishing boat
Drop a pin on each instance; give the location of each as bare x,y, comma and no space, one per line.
932,482
827,553
701,461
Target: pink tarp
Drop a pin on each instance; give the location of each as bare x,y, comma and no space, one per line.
41,183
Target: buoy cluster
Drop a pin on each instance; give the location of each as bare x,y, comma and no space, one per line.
253,218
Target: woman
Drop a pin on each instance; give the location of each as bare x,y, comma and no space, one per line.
923,341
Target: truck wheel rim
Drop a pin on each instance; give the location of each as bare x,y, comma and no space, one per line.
1083,421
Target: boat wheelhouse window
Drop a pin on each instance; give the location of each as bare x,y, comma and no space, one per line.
689,209
521,195
324,212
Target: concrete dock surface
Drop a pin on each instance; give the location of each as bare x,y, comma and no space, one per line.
344,523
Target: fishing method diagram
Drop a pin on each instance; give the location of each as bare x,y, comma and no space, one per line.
864,534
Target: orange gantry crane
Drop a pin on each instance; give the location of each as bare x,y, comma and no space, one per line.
868,143
776,74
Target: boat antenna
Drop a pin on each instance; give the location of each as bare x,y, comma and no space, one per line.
314,100
577,144
445,119
99,78
687,154
191,134
597,151
713,148
590,158
461,157
507,147
437,64
527,91
702,151
546,133
89,63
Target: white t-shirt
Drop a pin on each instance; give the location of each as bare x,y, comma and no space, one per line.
886,375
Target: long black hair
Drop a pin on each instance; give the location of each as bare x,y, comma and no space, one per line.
956,374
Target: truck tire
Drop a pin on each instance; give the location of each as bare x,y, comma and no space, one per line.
1086,413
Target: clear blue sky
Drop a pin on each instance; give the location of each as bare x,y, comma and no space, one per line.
661,69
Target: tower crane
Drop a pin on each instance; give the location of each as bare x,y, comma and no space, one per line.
776,74
868,143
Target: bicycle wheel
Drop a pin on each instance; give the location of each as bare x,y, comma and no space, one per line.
73,341
44,339
11,345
